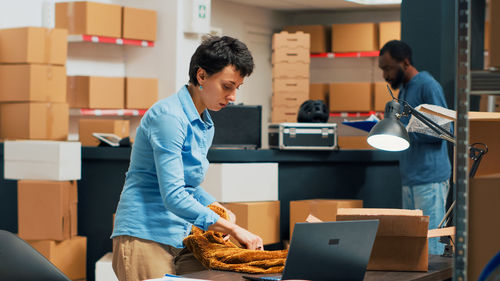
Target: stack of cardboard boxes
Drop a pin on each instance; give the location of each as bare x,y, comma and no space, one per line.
47,172
291,58
33,84
94,92
356,95
250,191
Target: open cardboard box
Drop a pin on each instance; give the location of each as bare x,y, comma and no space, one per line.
401,243
484,127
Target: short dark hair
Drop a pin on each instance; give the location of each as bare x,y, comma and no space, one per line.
398,50
215,53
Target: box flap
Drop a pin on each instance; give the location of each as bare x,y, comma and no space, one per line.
377,212
392,222
438,232
452,114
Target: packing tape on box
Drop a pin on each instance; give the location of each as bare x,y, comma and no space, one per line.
70,12
49,120
50,80
47,41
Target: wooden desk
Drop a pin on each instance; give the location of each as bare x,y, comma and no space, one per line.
440,268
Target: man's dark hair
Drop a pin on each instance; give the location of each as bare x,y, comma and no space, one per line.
398,50
215,53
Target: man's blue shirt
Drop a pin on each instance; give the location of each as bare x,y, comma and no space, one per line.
162,197
426,161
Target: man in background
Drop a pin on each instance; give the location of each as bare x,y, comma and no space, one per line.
425,167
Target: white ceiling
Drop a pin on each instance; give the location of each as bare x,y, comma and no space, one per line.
290,5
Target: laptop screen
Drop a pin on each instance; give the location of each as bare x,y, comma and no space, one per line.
330,250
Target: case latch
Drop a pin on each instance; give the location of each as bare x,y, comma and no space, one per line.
324,133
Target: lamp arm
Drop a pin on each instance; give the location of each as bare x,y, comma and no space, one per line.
442,132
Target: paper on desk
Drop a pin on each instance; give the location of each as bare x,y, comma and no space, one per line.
364,125
440,116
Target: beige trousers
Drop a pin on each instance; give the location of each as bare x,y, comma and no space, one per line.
137,259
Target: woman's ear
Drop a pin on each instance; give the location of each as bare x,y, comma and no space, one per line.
201,75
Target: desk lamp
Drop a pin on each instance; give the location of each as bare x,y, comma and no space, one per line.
390,134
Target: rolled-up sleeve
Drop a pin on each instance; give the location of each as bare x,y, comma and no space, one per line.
203,197
167,135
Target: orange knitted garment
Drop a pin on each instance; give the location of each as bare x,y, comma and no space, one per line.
213,252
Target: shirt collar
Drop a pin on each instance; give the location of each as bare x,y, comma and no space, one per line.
190,108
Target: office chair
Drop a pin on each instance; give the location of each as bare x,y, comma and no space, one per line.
20,261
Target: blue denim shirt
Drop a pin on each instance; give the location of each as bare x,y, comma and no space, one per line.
162,197
426,161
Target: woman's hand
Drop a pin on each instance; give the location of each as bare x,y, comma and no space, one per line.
243,236
247,239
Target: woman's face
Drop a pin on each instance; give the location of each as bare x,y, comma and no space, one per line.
220,88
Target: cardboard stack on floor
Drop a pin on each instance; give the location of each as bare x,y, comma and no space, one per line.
250,191
34,124
291,59
97,92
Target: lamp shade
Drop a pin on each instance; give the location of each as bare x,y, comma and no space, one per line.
389,134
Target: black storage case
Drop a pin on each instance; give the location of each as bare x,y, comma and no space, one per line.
303,136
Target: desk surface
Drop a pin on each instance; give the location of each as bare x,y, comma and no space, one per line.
440,268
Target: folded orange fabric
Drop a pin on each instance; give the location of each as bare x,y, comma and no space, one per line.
213,252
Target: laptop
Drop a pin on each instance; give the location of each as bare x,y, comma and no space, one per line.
328,251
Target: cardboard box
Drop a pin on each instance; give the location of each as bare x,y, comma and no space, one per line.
139,24
354,37
47,210
294,100
319,92
86,127
484,224
318,36
104,268
323,209
291,70
292,40
401,242
96,92
140,93
389,30
381,96
483,103
69,256
283,114
33,45
90,18
298,55
351,97
42,160
484,127
242,182
260,218
43,121
32,82
353,143
290,85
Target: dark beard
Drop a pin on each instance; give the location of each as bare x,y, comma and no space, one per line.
396,83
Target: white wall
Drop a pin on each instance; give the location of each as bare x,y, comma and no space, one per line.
253,26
